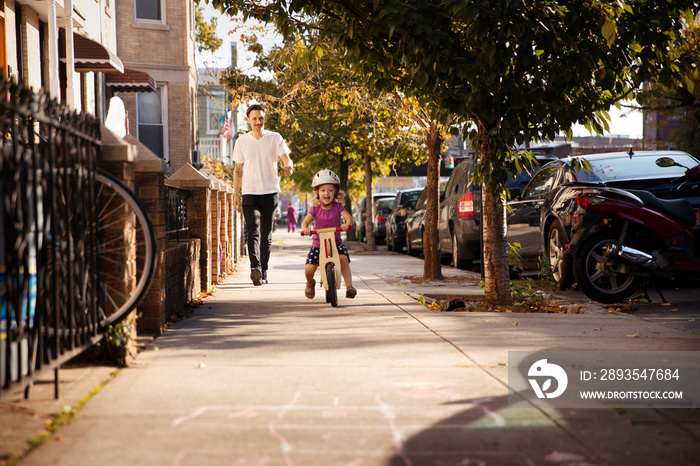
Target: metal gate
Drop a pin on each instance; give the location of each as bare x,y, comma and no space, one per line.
63,275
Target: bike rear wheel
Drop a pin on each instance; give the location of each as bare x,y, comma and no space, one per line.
332,292
126,248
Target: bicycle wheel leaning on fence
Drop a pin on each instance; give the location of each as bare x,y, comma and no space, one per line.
126,248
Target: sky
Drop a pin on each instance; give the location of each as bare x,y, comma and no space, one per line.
624,123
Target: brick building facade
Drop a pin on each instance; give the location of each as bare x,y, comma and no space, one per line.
65,51
160,41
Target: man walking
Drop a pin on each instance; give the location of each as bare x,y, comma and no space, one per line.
256,155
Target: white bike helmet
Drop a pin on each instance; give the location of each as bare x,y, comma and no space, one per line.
325,177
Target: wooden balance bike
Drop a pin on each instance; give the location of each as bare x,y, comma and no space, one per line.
329,262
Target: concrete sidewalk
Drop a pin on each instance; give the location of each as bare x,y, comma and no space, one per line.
264,376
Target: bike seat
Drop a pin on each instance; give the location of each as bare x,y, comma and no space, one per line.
681,209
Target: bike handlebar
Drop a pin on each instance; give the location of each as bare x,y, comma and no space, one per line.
327,230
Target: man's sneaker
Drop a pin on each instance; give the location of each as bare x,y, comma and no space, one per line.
264,276
256,276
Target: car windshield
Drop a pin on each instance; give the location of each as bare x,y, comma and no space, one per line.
409,197
542,182
383,205
420,202
639,168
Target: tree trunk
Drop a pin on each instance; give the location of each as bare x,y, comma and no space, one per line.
369,205
431,265
344,175
495,265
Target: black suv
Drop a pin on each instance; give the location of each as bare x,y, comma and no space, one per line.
460,211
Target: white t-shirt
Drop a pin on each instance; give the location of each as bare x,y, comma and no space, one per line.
259,158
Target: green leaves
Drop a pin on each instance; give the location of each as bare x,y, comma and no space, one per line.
205,32
609,31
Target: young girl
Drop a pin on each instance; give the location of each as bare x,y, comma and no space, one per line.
326,213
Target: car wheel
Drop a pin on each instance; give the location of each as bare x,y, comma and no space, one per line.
558,260
396,243
457,261
409,250
604,279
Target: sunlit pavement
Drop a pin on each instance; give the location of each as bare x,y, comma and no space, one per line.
263,376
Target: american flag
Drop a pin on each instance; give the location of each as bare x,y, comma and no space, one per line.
225,130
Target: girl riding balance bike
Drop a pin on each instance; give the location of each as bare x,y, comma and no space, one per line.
327,212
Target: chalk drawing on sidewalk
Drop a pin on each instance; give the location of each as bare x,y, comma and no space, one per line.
272,426
247,413
351,426
220,455
398,440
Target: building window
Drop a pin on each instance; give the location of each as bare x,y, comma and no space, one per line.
149,10
215,111
151,121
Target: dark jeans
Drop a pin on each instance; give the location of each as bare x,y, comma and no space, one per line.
259,213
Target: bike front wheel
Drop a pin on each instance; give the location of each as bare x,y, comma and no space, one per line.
332,291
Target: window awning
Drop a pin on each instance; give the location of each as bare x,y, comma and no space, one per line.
130,81
90,55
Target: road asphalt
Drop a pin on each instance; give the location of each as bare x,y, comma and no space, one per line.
263,376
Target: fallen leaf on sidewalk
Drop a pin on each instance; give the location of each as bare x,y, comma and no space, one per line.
634,335
201,365
674,310
599,328
515,323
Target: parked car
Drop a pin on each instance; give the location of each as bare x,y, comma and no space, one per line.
547,217
415,222
460,210
382,208
396,222
360,214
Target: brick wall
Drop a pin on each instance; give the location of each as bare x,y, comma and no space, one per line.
179,127
199,221
183,281
151,190
215,250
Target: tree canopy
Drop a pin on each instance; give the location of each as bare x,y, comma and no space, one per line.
313,97
205,31
679,102
520,70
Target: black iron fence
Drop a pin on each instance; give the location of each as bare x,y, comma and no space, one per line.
49,290
176,210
